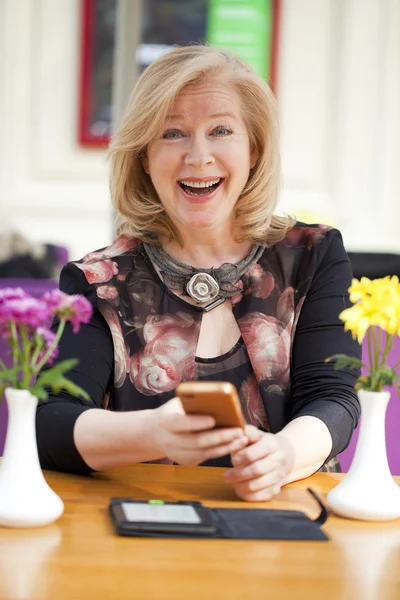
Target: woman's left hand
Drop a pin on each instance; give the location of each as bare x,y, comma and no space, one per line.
262,468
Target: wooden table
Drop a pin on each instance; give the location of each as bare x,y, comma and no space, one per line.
80,557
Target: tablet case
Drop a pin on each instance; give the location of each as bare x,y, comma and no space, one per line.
239,523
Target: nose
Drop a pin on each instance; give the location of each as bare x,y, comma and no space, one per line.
199,154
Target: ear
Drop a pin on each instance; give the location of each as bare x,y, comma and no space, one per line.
145,163
253,158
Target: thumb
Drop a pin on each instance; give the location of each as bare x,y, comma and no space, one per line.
174,406
253,433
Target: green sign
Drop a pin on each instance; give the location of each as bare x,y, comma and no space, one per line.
245,27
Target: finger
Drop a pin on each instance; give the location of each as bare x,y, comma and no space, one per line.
177,423
194,456
265,445
253,433
259,496
218,437
224,449
259,468
271,482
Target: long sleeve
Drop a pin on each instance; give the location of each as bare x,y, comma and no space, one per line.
93,347
316,388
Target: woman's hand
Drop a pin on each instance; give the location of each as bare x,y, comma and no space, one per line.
191,439
263,467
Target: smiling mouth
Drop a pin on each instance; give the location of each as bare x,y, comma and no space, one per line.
200,188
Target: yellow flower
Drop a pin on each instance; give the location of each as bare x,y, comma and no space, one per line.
376,303
359,289
356,321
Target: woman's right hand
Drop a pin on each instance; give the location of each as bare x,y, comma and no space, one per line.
191,439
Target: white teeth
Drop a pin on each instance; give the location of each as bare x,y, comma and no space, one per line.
201,184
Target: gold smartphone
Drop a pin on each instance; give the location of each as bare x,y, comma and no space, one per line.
218,399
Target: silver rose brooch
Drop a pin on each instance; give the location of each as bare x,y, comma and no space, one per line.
202,287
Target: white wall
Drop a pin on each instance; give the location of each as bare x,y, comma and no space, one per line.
50,188
339,93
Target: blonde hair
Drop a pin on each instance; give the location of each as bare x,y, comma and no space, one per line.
141,213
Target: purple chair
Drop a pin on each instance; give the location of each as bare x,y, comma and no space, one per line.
35,287
392,424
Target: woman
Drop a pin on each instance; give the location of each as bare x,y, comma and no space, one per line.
204,282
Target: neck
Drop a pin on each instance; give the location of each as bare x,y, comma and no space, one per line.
203,251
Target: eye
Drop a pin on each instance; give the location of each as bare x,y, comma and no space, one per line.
221,131
172,134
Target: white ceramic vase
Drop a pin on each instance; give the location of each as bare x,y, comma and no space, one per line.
26,500
368,491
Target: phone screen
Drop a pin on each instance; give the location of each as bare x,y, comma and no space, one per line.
160,513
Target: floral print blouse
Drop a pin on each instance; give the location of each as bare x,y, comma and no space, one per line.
287,314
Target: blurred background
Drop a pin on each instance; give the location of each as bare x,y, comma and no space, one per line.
67,67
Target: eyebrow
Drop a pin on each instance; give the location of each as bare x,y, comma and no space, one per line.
212,116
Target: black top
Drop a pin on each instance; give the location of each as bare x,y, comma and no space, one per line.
142,339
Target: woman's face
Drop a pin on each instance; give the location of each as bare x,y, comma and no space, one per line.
201,159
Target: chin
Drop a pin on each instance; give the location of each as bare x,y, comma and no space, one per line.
200,224
205,221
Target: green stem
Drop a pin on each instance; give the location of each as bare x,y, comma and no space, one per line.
51,348
39,346
388,346
379,333
375,349
370,354
14,345
25,358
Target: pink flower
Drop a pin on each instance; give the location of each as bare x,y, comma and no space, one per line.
107,292
48,339
286,312
252,403
12,294
99,271
168,356
261,282
73,308
122,244
121,354
285,307
268,346
24,311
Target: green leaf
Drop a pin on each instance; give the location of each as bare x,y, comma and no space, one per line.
10,374
342,361
59,370
39,392
54,378
57,384
385,375
363,383
377,379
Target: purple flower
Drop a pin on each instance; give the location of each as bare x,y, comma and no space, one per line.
48,339
24,311
73,308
